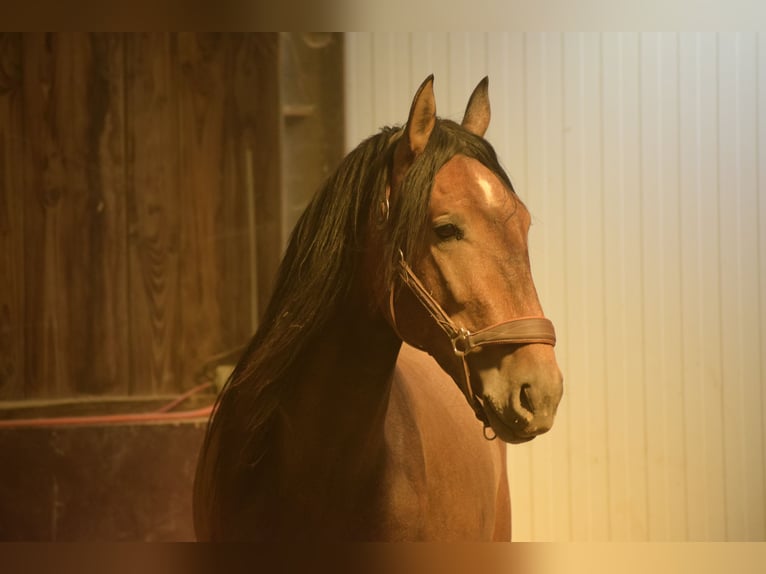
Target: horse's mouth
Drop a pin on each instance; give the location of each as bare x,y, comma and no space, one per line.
504,431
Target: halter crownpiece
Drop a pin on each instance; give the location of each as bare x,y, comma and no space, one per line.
521,331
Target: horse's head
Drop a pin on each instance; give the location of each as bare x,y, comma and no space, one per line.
462,288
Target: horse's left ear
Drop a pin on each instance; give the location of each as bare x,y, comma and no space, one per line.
477,112
417,132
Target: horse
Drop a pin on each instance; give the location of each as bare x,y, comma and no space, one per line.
404,331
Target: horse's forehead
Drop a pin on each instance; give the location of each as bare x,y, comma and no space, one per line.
465,178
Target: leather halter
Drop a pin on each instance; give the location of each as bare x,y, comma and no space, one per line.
521,331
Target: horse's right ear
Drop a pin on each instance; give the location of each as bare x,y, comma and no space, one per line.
417,132
477,112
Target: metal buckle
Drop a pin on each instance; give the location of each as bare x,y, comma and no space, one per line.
461,343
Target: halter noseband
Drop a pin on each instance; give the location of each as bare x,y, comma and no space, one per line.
521,331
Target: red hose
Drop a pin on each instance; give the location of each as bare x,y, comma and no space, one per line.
160,415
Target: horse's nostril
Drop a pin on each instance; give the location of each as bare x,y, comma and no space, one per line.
524,398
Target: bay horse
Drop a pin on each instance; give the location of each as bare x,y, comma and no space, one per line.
405,292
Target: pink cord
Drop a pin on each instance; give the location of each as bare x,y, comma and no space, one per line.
160,415
106,419
181,398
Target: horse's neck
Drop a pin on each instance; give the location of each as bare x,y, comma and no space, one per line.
333,417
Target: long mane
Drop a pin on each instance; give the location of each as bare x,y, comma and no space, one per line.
318,270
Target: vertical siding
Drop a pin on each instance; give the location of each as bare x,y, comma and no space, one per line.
640,158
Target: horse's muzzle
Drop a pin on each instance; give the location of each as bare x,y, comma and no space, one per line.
523,408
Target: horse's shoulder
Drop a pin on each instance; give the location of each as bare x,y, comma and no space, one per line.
439,451
430,401
423,381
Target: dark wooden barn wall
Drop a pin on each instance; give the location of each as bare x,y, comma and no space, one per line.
125,232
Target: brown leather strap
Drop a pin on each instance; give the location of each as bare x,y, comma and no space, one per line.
521,331
516,331
431,305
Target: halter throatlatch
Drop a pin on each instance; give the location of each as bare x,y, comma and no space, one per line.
521,331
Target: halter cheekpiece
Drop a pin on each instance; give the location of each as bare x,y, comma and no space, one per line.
521,331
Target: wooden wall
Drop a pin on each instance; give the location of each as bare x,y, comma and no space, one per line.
135,173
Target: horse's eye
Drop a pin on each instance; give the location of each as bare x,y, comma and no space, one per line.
448,231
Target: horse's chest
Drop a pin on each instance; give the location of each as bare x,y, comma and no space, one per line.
441,477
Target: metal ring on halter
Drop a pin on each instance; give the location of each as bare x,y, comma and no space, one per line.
484,430
461,343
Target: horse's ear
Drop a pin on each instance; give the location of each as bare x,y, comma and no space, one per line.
477,112
417,132
422,118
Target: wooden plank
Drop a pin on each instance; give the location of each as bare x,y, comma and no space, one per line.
592,260
674,452
573,275
660,144
100,257
545,156
394,80
507,87
550,461
457,85
478,66
439,66
691,268
502,98
420,65
202,92
746,428
535,150
622,290
711,385
515,97
399,87
312,144
74,215
659,210
359,90
12,321
154,199
583,233
46,365
614,301
650,146
257,99
248,199
760,181
228,158
381,84
635,484
732,304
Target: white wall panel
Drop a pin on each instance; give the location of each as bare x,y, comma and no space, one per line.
641,158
